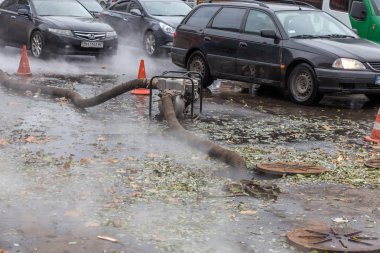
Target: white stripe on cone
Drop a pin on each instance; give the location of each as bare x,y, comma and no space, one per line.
376,126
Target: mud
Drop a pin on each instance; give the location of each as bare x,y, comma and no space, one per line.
69,175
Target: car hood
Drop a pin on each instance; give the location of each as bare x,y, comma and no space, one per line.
173,21
363,50
77,24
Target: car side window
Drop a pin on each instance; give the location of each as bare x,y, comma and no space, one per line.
202,16
229,19
258,21
134,6
120,7
10,5
23,4
339,5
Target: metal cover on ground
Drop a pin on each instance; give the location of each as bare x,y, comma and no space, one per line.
334,239
373,163
290,168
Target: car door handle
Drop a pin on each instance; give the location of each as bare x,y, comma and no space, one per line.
243,45
125,19
207,39
13,17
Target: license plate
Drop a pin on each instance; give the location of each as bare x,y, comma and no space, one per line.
93,44
376,80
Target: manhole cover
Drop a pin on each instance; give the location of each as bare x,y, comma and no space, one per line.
334,240
290,168
373,163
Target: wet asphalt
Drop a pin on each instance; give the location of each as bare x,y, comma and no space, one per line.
68,175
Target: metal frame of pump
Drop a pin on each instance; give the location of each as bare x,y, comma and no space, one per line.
180,75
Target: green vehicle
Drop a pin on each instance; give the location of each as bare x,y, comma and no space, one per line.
361,15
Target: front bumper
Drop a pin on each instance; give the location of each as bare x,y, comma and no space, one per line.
164,40
346,81
72,46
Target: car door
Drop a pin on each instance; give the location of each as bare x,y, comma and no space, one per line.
116,16
136,20
190,32
20,25
258,58
7,9
364,25
220,41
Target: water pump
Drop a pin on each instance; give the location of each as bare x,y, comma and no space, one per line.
184,88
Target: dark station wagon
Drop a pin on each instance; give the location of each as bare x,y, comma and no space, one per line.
291,45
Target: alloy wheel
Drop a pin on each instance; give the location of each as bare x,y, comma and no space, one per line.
150,44
37,43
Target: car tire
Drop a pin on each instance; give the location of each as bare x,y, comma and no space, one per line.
150,44
37,45
373,97
302,85
197,62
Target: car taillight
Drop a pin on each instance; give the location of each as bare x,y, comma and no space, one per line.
174,35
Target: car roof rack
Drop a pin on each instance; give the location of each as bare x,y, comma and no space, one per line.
262,3
295,2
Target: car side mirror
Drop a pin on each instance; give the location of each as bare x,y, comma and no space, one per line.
23,12
136,12
269,34
96,14
358,10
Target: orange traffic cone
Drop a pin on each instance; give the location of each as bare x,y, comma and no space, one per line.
24,68
141,75
375,134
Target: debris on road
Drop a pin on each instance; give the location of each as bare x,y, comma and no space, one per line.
289,168
254,188
107,238
373,163
340,220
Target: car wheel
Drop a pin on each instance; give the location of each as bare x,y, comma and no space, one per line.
198,63
150,44
302,85
37,44
373,97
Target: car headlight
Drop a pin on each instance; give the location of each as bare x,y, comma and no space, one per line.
60,32
111,34
166,28
350,64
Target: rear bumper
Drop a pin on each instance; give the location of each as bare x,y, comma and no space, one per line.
72,46
345,81
179,57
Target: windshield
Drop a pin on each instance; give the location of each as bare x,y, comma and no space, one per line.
60,8
309,24
167,8
377,5
91,5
